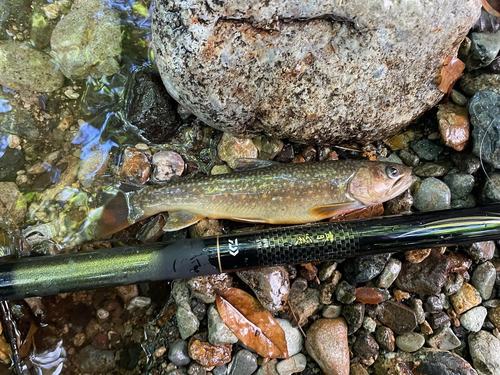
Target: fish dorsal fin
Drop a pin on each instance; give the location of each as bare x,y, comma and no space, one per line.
330,210
179,220
247,164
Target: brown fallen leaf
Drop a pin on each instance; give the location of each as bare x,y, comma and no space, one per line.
251,323
492,7
450,72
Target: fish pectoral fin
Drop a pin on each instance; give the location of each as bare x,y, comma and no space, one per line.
330,210
247,164
179,220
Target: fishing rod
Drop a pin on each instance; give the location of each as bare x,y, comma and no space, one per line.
48,275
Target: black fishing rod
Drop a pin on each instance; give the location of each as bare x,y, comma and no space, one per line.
322,242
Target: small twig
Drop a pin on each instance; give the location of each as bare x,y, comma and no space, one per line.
12,336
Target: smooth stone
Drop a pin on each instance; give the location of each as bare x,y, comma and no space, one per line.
454,125
366,347
465,299
426,149
268,368
484,48
445,339
480,251
425,278
466,202
417,256
327,344
196,369
483,279
369,324
410,342
332,311
473,82
460,184
328,287
222,370
293,336
432,195
231,148
424,362
484,349
431,170
92,360
271,286
243,363
435,304
354,315
473,319
363,269
458,98
218,332
439,320
87,41
357,369
491,190
409,158
12,204
205,288
484,108
305,304
397,316
494,316
264,66
385,337
294,364
178,353
23,68
345,293
400,204
467,163
417,307
389,274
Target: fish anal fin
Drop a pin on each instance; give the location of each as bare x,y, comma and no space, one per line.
247,164
330,210
179,220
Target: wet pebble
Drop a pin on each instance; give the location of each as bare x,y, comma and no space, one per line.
432,194
178,353
11,161
354,315
366,347
93,163
484,349
466,202
417,256
444,339
473,319
220,370
268,368
139,302
332,311
205,288
491,190
92,360
294,364
427,149
466,163
480,251
218,332
439,320
231,148
369,324
385,337
209,355
369,295
135,167
460,184
305,304
399,205
410,342
196,369
397,316
12,203
465,299
243,363
32,71
417,307
345,293
187,321
150,108
483,279
326,270
293,336
484,48
453,283
327,344
271,286
389,274
426,277
431,170
458,98
454,125
409,158
357,369
87,41
494,316
363,269
167,164
434,304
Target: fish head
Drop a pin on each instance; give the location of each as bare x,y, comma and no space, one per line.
378,182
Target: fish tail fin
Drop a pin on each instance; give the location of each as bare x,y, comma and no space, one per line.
114,216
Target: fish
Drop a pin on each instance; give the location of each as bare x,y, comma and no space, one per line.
262,192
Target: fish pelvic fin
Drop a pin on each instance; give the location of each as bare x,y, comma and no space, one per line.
114,216
331,210
179,220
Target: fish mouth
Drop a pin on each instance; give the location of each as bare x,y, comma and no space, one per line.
402,184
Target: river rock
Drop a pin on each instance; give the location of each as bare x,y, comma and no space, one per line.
327,344
22,67
218,332
87,41
410,342
271,286
277,66
432,194
473,319
485,352
293,336
471,83
484,108
454,125
426,277
363,269
398,317
292,365
484,48
483,279
12,203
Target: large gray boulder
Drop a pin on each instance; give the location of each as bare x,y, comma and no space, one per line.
318,70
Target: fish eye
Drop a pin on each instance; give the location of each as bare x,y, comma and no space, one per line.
392,171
